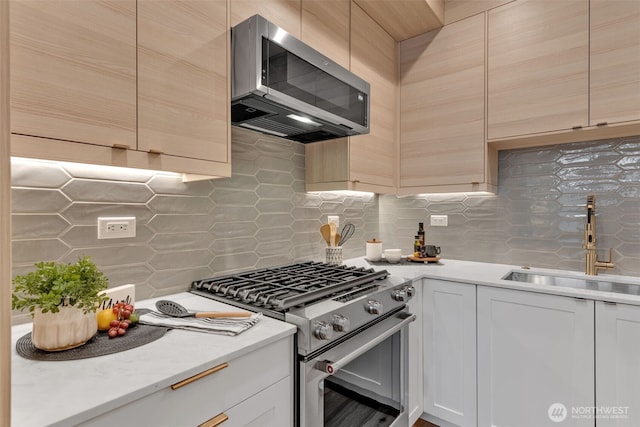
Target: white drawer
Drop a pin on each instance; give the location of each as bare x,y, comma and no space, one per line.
201,399
272,407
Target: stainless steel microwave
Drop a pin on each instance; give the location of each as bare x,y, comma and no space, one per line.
283,87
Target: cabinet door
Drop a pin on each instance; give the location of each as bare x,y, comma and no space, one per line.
614,61
182,79
535,353
73,70
617,368
450,351
442,106
272,407
372,157
283,13
538,67
325,27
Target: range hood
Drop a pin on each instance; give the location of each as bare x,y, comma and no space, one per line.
281,86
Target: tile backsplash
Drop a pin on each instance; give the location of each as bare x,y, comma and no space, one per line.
262,216
537,218
185,231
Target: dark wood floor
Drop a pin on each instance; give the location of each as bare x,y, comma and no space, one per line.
423,423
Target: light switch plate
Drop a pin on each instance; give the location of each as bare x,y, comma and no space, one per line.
335,219
439,220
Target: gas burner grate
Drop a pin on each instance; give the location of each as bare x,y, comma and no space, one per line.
280,288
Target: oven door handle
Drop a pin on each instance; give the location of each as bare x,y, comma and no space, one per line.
331,368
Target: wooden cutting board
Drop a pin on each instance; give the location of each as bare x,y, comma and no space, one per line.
426,259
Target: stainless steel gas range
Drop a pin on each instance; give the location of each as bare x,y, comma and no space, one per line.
351,341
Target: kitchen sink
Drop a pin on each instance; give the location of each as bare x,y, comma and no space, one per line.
573,282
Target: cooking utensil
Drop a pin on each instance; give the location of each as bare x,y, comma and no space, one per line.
345,234
325,230
171,308
333,229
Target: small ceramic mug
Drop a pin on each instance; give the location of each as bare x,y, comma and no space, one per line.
431,251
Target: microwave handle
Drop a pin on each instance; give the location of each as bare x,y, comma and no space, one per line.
331,368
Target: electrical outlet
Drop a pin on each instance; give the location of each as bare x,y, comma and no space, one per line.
116,227
335,219
439,220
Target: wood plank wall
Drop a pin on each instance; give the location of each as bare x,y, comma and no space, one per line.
5,222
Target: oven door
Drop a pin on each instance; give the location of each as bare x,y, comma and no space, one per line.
362,381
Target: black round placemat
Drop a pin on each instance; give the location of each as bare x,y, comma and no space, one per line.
99,345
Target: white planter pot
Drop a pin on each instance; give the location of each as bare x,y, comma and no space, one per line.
68,328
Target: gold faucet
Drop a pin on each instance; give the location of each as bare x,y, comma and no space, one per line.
593,264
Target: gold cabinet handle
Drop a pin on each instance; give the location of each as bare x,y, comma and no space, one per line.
155,151
121,146
198,376
215,421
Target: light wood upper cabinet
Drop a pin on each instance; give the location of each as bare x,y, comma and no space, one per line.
374,57
614,61
538,62
283,13
404,19
325,27
363,162
182,79
455,10
73,70
84,90
442,117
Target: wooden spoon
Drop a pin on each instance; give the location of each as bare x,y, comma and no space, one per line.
325,230
333,229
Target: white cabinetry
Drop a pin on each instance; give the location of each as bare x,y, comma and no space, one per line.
450,351
618,363
534,350
415,355
253,390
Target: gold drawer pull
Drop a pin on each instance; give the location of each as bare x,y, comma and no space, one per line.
198,376
155,151
215,421
602,124
576,127
121,146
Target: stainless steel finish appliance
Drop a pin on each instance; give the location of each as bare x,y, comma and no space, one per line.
283,87
351,341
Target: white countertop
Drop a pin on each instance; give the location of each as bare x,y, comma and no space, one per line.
70,392
480,273
67,393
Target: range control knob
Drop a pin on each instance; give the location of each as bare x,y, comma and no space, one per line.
399,294
410,291
341,323
374,307
323,331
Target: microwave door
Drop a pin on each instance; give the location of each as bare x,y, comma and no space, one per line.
301,85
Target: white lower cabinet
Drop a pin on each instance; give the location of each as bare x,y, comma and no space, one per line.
255,389
535,358
264,409
449,332
415,355
618,364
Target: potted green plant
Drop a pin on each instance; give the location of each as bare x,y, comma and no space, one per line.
62,299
